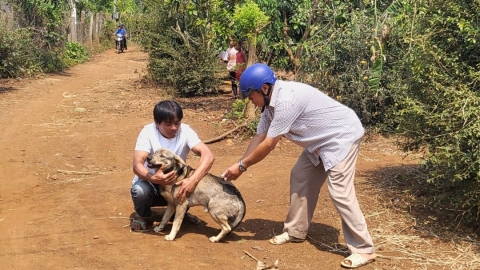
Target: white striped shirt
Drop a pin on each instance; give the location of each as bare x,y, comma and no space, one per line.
323,126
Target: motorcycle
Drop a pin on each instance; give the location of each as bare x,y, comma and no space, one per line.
120,46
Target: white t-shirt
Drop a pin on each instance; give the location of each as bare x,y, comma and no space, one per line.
303,114
150,140
231,57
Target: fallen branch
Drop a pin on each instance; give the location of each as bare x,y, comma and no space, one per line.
224,134
328,246
250,255
80,172
261,265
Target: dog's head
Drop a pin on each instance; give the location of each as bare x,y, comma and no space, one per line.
165,160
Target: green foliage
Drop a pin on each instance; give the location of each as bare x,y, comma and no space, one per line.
18,53
40,13
248,19
178,37
190,70
344,60
238,110
437,100
74,54
51,60
127,6
238,114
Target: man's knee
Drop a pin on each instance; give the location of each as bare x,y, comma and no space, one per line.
141,190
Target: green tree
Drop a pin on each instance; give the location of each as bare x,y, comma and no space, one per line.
248,20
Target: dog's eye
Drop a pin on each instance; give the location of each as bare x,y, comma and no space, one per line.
162,156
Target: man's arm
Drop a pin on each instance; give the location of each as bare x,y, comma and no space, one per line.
142,172
257,139
257,150
261,151
204,164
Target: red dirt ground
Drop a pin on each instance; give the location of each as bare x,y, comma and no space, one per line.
66,144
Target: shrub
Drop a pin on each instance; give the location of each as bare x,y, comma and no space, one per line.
437,102
238,114
74,54
18,53
189,69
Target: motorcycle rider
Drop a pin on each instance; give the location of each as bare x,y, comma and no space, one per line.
122,31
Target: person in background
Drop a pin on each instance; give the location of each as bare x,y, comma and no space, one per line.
241,60
167,131
122,31
330,134
230,60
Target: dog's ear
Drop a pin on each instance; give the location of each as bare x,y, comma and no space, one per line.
179,160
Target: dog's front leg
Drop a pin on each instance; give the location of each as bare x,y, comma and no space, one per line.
180,211
166,217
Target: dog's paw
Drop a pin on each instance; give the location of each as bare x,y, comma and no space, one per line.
169,238
158,228
214,239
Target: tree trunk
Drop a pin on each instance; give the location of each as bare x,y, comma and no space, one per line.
252,53
251,59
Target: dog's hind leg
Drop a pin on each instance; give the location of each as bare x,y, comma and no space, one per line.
177,221
166,217
223,222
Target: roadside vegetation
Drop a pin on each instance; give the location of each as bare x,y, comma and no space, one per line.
409,68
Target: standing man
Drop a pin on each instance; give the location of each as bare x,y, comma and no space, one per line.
330,134
167,131
230,59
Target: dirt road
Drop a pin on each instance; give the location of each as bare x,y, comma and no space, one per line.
66,144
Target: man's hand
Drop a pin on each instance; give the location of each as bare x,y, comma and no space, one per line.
232,173
163,179
188,185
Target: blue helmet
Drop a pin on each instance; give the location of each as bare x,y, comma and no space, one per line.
254,77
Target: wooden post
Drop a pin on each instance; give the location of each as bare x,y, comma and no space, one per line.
81,31
90,31
97,29
73,23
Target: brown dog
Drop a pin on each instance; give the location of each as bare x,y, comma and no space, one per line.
220,198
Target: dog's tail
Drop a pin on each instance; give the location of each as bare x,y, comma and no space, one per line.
237,219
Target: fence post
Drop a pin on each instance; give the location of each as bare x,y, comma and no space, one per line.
73,23
97,28
90,31
81,31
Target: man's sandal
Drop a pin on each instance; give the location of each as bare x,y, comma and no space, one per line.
285,238
355,260
138,226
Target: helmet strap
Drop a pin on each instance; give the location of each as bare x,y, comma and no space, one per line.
266,97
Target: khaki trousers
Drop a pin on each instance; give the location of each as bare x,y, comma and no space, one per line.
305,183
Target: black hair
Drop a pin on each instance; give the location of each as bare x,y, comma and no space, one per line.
167,111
